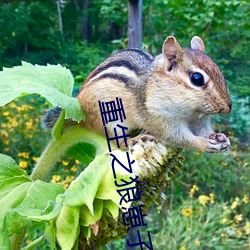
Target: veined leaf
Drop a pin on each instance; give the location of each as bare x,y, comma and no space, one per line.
67,226
53,82
39,194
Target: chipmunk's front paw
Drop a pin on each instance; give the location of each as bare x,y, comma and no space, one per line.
217,142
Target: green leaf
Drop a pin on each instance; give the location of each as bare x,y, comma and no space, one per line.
82,190
47,216
6,186
14,198
86,218
86,232
67,226
112,207
34,243
39,194
50,234
58,127
20,197
83,152
53,82
9,168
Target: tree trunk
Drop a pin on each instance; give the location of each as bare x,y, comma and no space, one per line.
135,23
59,16
85,20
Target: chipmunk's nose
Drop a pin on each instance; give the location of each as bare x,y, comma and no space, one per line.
227,108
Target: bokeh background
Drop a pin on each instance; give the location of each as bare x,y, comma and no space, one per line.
207,206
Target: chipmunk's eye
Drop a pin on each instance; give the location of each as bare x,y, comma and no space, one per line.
197,79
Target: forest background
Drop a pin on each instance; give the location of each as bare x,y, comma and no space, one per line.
207,205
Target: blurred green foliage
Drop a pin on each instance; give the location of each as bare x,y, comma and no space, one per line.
30,32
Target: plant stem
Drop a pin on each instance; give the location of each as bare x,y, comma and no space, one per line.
57,147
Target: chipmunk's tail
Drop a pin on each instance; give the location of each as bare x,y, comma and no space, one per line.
50,117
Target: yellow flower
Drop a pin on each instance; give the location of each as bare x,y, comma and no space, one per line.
70,178
238,218
234,152
211,195
6,113
223,235
238,159
55,178
12,105
224,164
14,123
238,233
35,159
245,199
4,134
247,227
197,242
6,141
29,124
24,154
223,220
187,211
182,248
203,199
192,190
235,203
65,163
73,168
65,185
23,164
77,162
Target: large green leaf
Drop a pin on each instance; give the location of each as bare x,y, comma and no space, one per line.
53,82
21,199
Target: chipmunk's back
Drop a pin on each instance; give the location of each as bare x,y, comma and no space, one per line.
121,75
124,66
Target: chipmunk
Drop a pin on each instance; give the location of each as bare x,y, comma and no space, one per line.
170,96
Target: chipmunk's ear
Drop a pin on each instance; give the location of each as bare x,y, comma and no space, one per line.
197,43
171,49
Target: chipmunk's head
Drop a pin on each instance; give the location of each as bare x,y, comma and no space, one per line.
198,77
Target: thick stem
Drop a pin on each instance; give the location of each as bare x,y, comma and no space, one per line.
57,147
